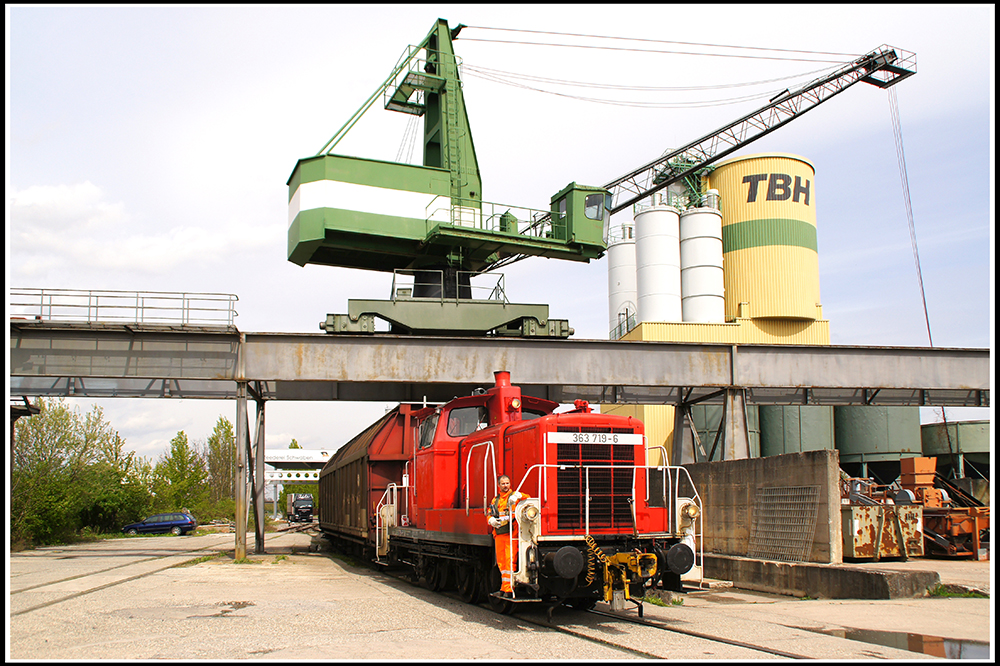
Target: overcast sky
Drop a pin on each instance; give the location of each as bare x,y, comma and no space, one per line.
148,149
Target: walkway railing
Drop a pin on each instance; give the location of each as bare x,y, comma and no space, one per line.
124,307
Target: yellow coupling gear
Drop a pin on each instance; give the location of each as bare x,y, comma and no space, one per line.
616,569
594,555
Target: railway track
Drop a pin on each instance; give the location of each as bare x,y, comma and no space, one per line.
529,616
539,618
144,566
111,576
698,634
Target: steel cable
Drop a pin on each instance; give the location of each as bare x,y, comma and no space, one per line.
897,132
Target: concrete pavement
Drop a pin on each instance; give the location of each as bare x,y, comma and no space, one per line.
128,599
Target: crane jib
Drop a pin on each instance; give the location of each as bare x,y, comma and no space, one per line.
893,64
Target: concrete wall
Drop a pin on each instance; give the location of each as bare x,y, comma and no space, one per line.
729,492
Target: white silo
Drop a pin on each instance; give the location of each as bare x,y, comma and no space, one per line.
658,263
621,280
702,281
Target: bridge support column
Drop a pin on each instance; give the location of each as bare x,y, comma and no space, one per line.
732,434
241,471
258,479
734,424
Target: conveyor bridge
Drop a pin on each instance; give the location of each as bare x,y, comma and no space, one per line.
137,360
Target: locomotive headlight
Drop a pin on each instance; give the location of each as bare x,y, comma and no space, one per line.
687,513
515,404
530,513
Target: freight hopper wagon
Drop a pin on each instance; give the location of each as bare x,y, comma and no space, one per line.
597,523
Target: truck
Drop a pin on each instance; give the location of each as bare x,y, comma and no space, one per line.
300,508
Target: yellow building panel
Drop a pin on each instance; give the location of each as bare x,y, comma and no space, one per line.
740,332
658,421
787,287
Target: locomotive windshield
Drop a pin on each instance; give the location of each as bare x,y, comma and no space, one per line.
466,420
427,429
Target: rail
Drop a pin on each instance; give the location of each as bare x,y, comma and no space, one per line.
672,481
626,322
124,307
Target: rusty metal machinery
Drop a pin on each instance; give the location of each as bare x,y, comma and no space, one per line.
955,523
873,527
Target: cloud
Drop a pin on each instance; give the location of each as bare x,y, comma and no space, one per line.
53,226
41,208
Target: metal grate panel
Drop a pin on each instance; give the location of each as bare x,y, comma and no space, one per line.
784,523
610,489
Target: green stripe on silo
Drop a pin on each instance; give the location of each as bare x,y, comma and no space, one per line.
774,231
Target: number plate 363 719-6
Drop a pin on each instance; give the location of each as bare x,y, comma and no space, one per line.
594,438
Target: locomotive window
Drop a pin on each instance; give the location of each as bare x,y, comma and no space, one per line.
528,415
465,420
427,429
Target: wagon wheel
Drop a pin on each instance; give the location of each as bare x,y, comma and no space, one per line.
468,584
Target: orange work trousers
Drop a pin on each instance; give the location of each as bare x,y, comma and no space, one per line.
502,544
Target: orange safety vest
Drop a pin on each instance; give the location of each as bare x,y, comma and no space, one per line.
501,506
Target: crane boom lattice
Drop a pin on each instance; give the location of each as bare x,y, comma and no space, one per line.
883,67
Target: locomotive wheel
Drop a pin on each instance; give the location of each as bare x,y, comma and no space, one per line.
501,606
468,584
436,575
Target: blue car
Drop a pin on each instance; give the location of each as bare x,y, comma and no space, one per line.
175,523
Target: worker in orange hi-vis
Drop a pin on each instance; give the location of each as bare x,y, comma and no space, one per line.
500,511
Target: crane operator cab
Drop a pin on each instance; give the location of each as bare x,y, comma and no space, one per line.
581,214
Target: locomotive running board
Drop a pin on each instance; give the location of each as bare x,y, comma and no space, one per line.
518,600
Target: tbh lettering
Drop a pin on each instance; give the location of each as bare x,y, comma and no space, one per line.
779,187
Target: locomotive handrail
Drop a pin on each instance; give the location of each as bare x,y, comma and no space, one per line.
664,458
669,491
390,489
493,460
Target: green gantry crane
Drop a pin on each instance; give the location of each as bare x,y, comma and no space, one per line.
429,222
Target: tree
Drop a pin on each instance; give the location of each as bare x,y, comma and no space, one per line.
180,477
219,453
61,462
221,459
117,494
294,444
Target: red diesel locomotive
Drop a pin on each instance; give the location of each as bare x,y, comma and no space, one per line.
598,524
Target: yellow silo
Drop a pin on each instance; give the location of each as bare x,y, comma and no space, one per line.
768,204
